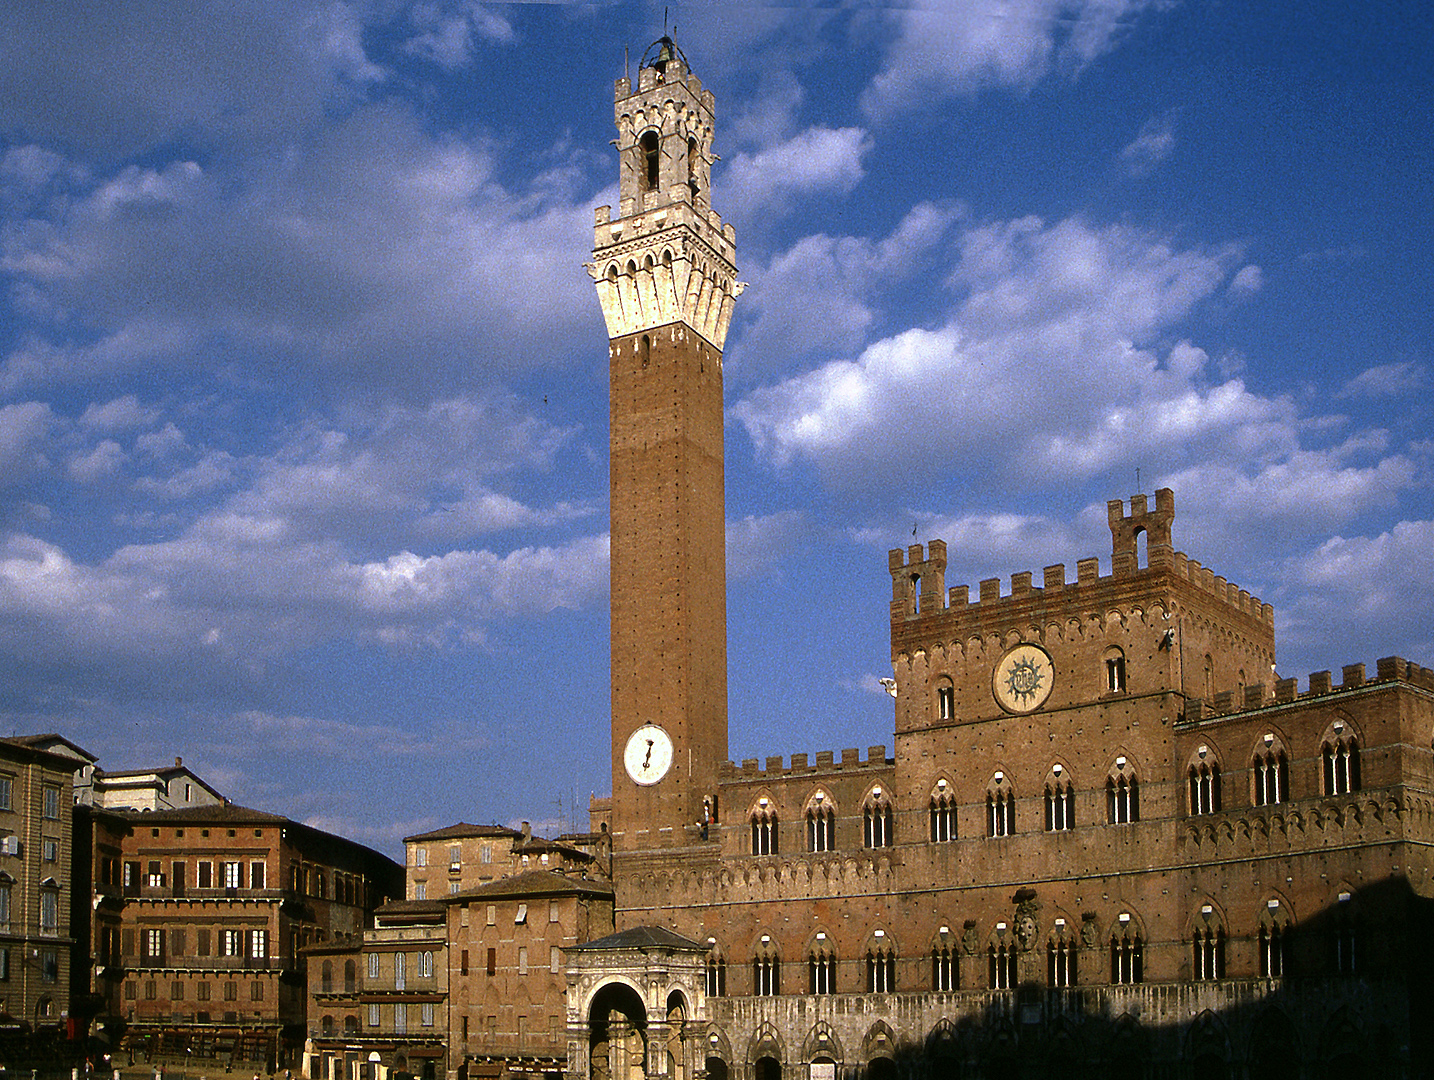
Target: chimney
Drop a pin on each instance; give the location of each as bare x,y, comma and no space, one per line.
527,831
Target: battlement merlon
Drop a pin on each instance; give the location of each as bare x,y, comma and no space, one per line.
1388,669
918,574
1125,531
826,763
918,579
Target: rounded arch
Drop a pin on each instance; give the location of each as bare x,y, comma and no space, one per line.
1112,670
617,1029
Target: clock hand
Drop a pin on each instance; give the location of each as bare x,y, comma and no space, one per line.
648,760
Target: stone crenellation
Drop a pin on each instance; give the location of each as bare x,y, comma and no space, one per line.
826,761
917,564
1285,691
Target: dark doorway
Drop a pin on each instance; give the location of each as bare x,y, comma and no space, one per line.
767,1068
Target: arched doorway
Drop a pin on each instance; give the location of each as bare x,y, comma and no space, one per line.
882,1068
716,1069
617,1034
767,1068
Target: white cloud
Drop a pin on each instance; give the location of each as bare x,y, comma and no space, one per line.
757,543
1154,143
942,49
1387,380
1358,598
817,298
24,429
1049,362
375,239
1247,282
120,414
251,69
102,461
815,161
447,34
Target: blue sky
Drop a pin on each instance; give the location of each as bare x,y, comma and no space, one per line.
303,434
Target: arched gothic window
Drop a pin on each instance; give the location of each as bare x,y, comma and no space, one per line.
1272,941
945,964
1060,800
821,967
880,967
1339,750
821,823
1345,951
716,970
1204,777
1114,661
1270,770
766,971
943,813
877,820
651,160
1122,794
1127,952
1000,807
1207,946
326,978
1061,951
1003,964
764,829
350,977
945,699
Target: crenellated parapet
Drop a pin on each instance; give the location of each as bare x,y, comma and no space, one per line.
825,762
918,574
1390,669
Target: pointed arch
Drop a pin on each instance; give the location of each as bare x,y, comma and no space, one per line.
943,811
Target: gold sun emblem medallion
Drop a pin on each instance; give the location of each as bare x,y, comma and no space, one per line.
1023,678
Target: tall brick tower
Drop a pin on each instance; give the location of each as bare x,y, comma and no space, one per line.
665,276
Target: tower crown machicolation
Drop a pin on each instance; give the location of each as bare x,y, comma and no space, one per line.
918,574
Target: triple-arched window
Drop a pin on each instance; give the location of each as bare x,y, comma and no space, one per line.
1000,807
1204,779
880,965
1061,952
943,813
1127,951
821,966
1060,800
764,829
1122,793
821,823
876,818
1270,770
1207,946
1339,751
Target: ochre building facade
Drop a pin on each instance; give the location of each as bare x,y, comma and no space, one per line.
1106,839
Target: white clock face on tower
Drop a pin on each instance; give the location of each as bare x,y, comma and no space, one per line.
1023,678
648,755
